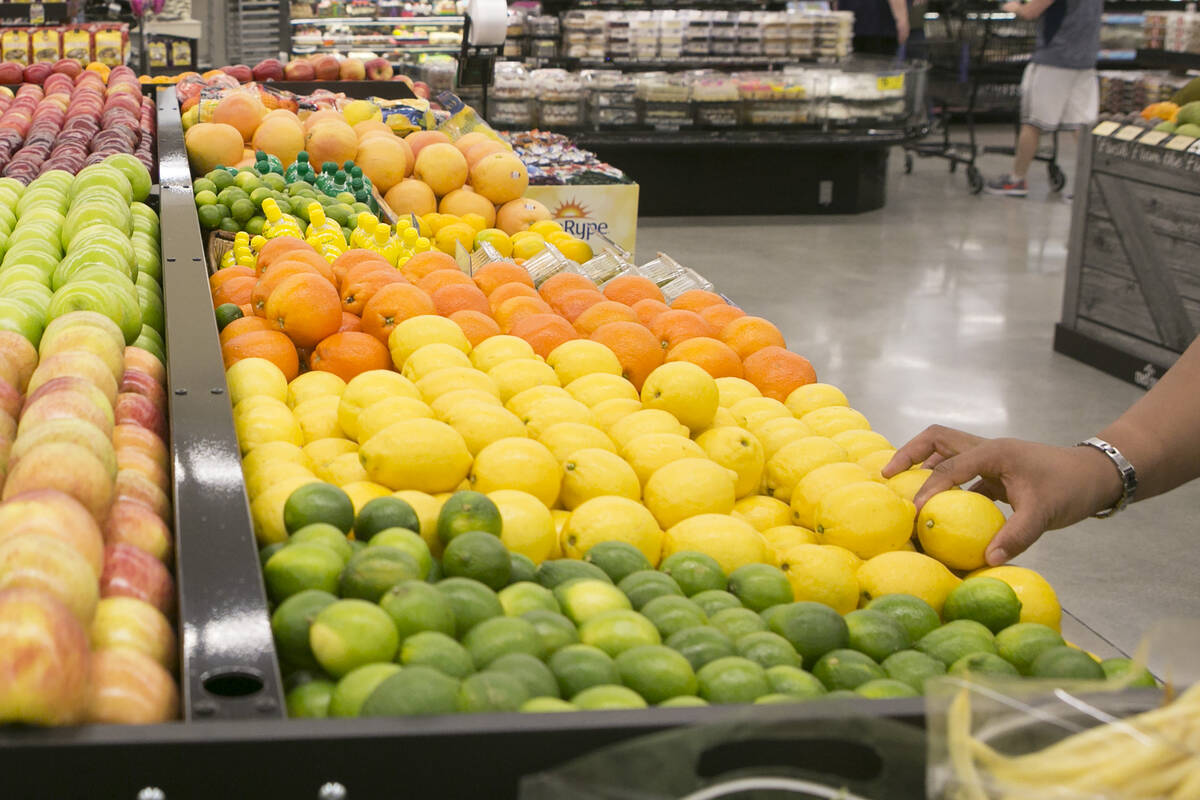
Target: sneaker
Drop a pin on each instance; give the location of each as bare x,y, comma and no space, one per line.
1006,185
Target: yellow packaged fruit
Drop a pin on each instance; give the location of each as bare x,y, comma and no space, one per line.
381,413
595,472
649,420
906,572
834,420
430,358
754,411
415,332
683,390
367,388
609,519
496,350
1039,601
453,379
739,450
318,418
580,358
565,438
313,384
819,575
594,388
782,538
253,377
527,527
421,454
812,396
732,390
513,377
543,415
812,487
956,526
762,512
515,463
730,541
795,460
865,518
480,424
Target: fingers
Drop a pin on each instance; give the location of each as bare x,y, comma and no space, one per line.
953,472
1022,529
991,489
936,439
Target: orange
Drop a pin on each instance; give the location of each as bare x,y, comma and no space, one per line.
696,299
476,325
777,372
460,297
222,275
544,332
350,258
243,325
638,350
277,248
573,303
558,285
603,313
305,307
748,335
718,316
674,326
714,357
275,275
515,309
444,277
350,322
648,309
510,290
362,281
629,289
237,290
492,276
313,259
394,303
422,264
271,345
350,353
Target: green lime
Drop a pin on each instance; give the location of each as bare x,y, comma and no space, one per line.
221,178
471,601
301,566
642,587
491,691
539,681
607,698
875,633
694,572
732,679
340,212
258,195
500,636
846,669
265,553
1066,662
290,624
226,313
956,639
617,559
885,688
794,681
356,686
579,666
988,601
767,650
413,690
773,699
618,630
299,207
310,700
409,542
684,701
210,216
231,194
913,667
435,571
1118,669
415,607
1022,643
326,535
350,633
671,614
982,664
656,673
467,511
584,598
915,615
701,645
760,586
737,622
382,513
560,570
373,571
547,705
812,628
228,223
254,225
274,181
203,185
522,597
298,187
243,210
247,180
555,630
204,198
522,568
713,600
318,502
480,556
437,651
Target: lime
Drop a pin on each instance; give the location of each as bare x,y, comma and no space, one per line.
221,178
671,614
413,690
1118,669
915,615
500,636
584,598
255,225
290,624
982,664
579,666
547,705
437,651
324,534
243,210
552,573
467,511
258,195
767,650
737,622
555,630
491,691
684,701
642,587
657,673
618,630
405,540
812,628
274,181
772,699
539,681
231,194
956,639
471,601
1066,662
713,600
310,700
228,223
607,698
435,571
732,679
301,566
355,686
349,633
760,586
884,688
370,573
1022,643
210,215
913,667
227,313
415,607
617,559
701,645
522,568
875,633
318,502
203,185
382,513
846,669
694,572
480,556
205,197
519,598
794,681
989,601
264,555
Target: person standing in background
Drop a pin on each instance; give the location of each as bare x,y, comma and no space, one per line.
880,26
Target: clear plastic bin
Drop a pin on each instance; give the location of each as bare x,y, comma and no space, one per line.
548,263
662,270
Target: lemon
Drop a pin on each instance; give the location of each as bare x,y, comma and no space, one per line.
565,438
775,433
608,519
688,487
266,510
367,388
906,573
528,247
649,452
498,349
343,469
381,413
795,460
730,541
854,561
256,377
909,482
272,452
685,391
739,450
421,454
447,402
608,412
835,419
820,576
858,443
1039,602
956,526
577,250
545,227
762,512
517,464
270,474
363,492
527,525
527,399
432,357
427,507
579,357
267,421
496,238
313,384
812,396
357,111
415,332
722,419
639,423
731,390
561,518
816,484
318,418
874,463
514,377
866,518
754,411
453,379
592,473
478,223
480,424
593,389
782,538
454,234
545,414
322,451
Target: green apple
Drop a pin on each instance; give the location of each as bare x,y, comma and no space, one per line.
109,235
105,175
154,336
144,220
42,196
8,199
144,281
22,271
98,254
84,295
95,212
41,215
19,318
32,292
152,347
12,185
37,237
135,172
102,323
7,216
99,193
106,274
152,309
146,253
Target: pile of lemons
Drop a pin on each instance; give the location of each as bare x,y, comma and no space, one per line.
447,231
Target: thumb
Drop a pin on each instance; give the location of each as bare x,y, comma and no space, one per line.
1022,529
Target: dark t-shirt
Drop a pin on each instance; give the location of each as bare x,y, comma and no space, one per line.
871,17
1069,34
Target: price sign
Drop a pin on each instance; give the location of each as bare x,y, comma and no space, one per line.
1180,142
1128,133
1105,128
890,83
1153,137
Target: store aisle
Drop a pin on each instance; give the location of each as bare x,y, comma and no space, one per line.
941,308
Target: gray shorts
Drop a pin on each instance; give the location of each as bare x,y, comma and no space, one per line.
1055,98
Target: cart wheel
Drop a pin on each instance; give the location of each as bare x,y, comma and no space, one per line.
1058,178
908,163
974,180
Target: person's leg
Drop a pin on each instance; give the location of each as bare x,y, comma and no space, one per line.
1044,94
1027,145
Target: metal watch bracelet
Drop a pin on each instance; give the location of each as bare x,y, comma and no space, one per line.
1129,480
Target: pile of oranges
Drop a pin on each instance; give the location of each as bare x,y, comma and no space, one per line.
301,312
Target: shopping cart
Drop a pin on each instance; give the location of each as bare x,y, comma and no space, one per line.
977,56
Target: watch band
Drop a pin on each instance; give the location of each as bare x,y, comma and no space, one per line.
1129,480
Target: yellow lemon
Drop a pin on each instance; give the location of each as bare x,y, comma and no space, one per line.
313,384
381,413
427,507
250,404
272,452
651,451
593,472
876,461
812,396
905,572
514,377
268,421
323,451
858,443
497,239
854,561
318,418
608,412
357,111
565,438
447,402
271,474
561,518
834,420
722,419
820,576
956,526
342,470
363,492
609,519
762,512
577,250
908,483
414,333
432,357
545,227
528,247
498,349
521,464
367,388
255,377
527,526
730,541
731,390
527,399
480,424
688,487
593,389
421,454
639,423
579,357
545,414
266,510
754,411
795,460
478,223
739,450
818,483
782,538
865,518
453,379
456,233
1039,602
775,433
685,391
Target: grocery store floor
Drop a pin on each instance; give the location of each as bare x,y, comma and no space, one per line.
941,308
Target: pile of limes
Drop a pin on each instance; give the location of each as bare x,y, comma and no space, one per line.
232,200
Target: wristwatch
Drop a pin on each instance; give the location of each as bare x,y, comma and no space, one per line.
1128,474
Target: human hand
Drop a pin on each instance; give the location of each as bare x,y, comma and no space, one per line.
902,30
1012,7
1048,487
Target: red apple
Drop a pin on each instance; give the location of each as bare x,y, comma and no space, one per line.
133,522
134,485
10,399
130,688
67,383
67,66
44,659
421,89
134,624
269,69
68,402
75,431
11,73
239,72
54,513
352,69
378,69
37,72
68,467
130,572
88,339
137,358
136,409
138,461
326,68
139,382
76,363
19,355
82,317
299,70
46,563
136,437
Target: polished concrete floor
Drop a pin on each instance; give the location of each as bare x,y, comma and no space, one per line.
940,308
